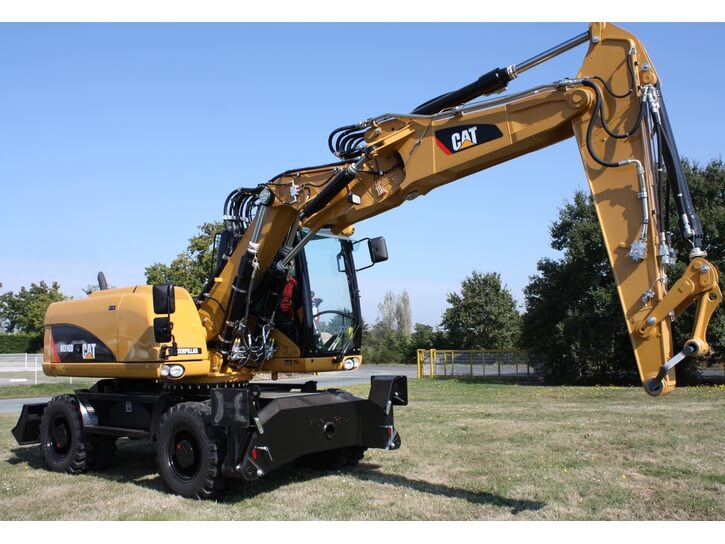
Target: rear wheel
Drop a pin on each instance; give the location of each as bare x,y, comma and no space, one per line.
191,451
63,444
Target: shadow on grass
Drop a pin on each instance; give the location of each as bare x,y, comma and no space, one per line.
135,463
368,472
476,497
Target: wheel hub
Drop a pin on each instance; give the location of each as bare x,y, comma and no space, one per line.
184,453
60,437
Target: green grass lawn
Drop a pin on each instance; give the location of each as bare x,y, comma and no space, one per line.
470,451
40,390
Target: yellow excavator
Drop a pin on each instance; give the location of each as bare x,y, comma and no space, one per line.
284,297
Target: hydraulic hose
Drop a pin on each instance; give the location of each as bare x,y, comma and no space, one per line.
688,220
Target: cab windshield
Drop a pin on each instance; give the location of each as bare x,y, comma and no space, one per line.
333,315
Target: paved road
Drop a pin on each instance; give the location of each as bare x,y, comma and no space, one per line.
361,375
327,379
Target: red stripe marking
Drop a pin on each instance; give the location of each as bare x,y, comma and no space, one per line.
443,147
56,358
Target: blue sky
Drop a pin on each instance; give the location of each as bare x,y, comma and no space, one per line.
118,140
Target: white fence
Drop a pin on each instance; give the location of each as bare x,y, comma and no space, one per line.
27,369
21,359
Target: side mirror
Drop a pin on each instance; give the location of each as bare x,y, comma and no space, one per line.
162,329
164,300
378,249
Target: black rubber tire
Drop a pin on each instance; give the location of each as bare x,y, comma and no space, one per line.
191,450
104,448
62,441
333,459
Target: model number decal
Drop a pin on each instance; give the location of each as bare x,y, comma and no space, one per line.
72,344
88,351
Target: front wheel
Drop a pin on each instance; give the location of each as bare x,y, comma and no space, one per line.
191,451
64,446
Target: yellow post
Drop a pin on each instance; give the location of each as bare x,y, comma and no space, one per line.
432,362
419,362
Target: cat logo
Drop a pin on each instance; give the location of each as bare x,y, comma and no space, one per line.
465,138
455,139
89,351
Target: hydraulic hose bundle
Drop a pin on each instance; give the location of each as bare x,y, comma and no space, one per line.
347,142
239,211
651,103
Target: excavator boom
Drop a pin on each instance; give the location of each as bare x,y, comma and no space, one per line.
614,110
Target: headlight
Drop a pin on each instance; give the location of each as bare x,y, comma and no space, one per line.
351,364
174,371
265,197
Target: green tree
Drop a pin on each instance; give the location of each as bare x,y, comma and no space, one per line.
24,312
394,313
403,314
387,340
573,322
382,345
423,337
191,268
483,316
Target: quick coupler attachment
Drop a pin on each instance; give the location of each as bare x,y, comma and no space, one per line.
655,386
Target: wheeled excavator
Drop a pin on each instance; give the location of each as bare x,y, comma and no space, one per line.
283,297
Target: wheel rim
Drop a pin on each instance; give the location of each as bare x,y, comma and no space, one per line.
60,436
184,454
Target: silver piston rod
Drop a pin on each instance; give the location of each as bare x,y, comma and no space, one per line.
549,54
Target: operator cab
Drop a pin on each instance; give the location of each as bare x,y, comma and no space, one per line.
328,321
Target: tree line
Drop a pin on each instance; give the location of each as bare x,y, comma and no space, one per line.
572,327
